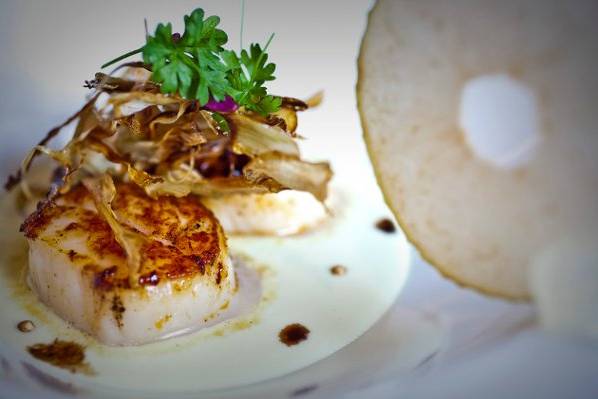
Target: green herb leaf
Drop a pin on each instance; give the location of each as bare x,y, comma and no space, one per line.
266,105
246,76
197,67
222,123
189,66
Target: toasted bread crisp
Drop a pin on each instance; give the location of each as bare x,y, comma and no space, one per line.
479,224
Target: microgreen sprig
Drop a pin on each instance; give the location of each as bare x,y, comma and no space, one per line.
196,66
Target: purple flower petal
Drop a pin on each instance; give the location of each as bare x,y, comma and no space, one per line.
226,105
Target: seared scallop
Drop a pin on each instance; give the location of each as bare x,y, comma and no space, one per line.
284,213
76,266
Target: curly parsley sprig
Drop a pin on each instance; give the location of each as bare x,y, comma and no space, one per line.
246,75
196,66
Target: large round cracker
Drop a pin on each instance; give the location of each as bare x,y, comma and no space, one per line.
478,224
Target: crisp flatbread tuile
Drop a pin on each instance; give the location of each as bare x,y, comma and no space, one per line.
479,224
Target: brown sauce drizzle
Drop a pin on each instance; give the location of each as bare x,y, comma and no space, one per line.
63,354
386,225
26,326
338,270
293,334
118,310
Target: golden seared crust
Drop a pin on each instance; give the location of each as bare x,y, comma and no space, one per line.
182,238
39,220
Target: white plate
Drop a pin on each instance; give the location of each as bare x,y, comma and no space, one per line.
308,59
297,287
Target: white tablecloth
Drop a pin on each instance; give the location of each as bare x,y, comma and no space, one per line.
494,349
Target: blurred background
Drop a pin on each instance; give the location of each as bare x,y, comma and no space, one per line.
50,48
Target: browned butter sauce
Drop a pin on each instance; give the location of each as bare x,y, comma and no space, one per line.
386,225
293,334
338,270
26,326
64,354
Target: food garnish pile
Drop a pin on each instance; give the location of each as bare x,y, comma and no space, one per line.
191,118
